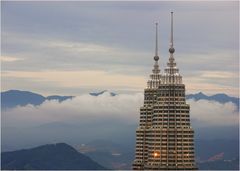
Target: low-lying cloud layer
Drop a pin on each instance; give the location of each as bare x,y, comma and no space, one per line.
114,118
87,109
211,113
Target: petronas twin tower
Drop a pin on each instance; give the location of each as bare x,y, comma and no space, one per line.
164,138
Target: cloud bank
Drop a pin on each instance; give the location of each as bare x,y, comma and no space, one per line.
87,109
115,118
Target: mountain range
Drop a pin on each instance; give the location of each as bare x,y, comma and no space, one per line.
220,97
13,98
58,156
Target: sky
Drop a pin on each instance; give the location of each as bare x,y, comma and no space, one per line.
71,48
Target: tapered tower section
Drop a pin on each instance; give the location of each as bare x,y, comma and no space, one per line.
150,94
165,138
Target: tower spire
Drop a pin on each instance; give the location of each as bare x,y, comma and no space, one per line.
155,76
172,75
156,48
156,57
156,69
171,49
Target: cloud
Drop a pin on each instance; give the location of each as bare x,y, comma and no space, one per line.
10,59
85,78
210,113
86,109
82,109
210,72
216,74
80,47
60,54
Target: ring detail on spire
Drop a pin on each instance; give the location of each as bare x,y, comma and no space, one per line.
156,58
171,50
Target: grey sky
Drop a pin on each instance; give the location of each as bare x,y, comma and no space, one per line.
115,40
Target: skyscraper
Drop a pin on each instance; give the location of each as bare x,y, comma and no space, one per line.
164,137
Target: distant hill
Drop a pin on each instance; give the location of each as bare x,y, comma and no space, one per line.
59,98
220,165
110,154
58,156
221,98
102,92
207,150
13,98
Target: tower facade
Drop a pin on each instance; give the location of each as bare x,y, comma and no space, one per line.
164,137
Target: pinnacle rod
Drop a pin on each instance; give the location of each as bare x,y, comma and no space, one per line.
156,48
171,29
